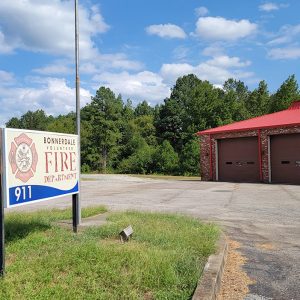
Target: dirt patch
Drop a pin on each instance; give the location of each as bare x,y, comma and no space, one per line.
235,281
265,246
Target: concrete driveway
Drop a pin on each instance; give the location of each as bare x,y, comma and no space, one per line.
265,219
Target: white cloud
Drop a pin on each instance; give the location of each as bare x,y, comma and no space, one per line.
269,6
120,61
4,47
284,53
287,44
180,52
201,11
166,31
170,72
216,70
88,68
101,62
48,26
57,68
203,71
286,34
139,86
6,78
218,28
104,62
228,62
213,50
54,97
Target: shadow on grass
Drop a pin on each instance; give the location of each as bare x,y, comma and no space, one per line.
16,230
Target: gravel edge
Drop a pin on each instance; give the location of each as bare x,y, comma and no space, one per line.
210,282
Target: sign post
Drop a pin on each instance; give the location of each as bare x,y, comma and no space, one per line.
76,209
2,236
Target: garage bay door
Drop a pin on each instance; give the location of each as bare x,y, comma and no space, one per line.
285,158
238,160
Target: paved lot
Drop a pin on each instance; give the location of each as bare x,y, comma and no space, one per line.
264,218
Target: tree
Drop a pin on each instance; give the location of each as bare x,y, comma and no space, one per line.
105,115
143,109
258,101
234,100
169,123
141,159
173,114
63,124
190,158
13,123
285,95
128,111
31,120
166,160
143,125
193,105
202,108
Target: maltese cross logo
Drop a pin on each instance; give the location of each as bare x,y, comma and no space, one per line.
23,157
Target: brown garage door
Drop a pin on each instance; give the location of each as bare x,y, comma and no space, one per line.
238,160
285,158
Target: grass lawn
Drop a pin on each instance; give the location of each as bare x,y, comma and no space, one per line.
168,177
163,260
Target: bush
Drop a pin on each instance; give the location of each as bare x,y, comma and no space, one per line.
85,168
166,159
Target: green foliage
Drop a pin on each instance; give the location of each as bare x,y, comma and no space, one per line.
166,160
141,159
190,158
85,168
143,109
63,124
285,95
31,120
169,123
143,125
13,123
104,114
258,101
234,101
116,137
174,120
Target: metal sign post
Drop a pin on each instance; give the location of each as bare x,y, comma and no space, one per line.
76,209
2,243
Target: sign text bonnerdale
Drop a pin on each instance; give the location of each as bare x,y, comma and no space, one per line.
40,165
60,158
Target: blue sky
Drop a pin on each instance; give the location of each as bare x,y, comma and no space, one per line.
139,48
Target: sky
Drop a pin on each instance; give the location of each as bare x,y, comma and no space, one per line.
139,48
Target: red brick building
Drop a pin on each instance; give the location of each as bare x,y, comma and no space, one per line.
262,149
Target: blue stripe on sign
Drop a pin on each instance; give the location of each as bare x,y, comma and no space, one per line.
37,192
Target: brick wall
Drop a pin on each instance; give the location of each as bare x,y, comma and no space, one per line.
208,146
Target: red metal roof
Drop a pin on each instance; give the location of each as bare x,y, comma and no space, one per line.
288,117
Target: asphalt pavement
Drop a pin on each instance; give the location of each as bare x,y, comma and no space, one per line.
264,218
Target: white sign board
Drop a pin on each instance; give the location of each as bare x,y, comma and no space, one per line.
39,165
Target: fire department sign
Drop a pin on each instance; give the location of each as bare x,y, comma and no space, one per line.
39,165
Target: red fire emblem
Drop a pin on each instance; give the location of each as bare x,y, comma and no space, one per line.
23,157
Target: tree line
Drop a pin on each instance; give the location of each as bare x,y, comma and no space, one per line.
119,138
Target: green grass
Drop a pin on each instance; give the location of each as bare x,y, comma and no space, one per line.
163,260
168,177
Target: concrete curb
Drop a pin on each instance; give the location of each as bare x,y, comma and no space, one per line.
97,220
210,282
